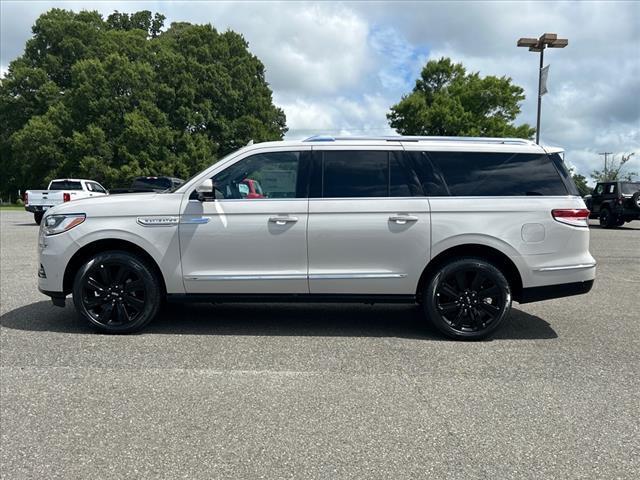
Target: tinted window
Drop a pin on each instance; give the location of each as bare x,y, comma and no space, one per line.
355,174
430,179
629,188
65,185
403,181
565,174
265,175
496,174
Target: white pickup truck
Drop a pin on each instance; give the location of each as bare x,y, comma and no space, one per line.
60,190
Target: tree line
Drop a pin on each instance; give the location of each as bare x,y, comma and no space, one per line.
111,99
114,98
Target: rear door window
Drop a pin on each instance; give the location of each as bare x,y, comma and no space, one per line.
365,173
496,174
353,173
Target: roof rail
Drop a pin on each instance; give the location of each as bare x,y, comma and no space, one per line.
408,138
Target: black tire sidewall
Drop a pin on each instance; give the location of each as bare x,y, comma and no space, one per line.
37,217
146,273
605,218
429,298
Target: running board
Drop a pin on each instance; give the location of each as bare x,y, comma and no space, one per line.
288,298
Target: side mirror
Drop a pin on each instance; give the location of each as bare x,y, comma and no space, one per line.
205,191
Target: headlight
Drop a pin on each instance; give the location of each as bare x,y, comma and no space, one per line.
54,224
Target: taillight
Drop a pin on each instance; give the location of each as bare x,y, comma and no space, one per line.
26,198
578,217
66,197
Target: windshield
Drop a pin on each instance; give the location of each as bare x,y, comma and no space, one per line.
629,188
65,185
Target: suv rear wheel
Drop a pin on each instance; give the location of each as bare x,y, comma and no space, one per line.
117,292
606,219
467,299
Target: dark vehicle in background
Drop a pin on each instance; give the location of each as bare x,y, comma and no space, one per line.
150,184
614,203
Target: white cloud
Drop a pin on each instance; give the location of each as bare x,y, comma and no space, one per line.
338,67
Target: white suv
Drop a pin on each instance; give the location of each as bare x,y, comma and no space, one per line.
462,226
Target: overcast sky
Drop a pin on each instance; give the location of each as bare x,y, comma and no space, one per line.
338,67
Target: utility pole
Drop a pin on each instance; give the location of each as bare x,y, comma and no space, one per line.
605,154
550,40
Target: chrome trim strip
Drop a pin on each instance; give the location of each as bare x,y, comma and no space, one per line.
158,221
566,267
198,278
353,276
196,221
295,276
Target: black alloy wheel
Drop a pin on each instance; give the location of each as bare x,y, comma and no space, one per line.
468,299
117,292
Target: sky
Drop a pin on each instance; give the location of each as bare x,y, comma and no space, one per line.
337,68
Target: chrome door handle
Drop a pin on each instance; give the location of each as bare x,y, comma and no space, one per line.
403,219
278,220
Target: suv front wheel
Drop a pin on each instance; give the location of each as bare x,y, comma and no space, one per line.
117,292
467,299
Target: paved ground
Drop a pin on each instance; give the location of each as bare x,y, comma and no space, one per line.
299,391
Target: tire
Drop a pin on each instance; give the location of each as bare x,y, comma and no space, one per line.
117,292
635,200
37,217
606,219
467,299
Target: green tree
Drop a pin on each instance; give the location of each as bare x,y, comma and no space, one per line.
615,170
448,101
123,96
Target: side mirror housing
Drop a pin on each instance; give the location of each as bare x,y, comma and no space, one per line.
205,191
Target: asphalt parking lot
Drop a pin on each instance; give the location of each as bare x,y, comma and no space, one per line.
322,391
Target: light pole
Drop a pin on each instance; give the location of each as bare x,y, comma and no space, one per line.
550,40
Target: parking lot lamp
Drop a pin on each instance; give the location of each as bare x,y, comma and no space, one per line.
550,40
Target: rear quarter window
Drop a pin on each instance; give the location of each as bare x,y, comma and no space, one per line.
492,174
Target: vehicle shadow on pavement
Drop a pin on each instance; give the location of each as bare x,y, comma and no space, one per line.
324,320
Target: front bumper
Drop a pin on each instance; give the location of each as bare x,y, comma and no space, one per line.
58,298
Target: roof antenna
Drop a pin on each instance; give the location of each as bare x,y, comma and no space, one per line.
250,143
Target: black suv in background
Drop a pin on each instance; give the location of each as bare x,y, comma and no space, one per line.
614,203
149,184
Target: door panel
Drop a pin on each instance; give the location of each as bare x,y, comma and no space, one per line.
360,244
252,238
367,246
244,246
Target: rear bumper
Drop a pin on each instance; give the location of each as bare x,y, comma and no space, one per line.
547,292
37,208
